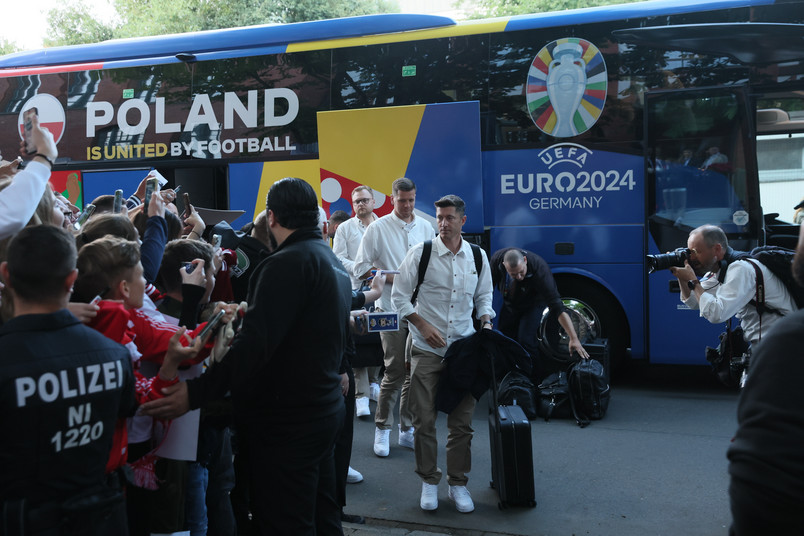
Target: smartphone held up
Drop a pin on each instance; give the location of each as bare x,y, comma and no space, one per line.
212,324
151,187
27,118
117,206
84,216
187,209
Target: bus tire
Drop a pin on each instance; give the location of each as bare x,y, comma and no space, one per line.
610,319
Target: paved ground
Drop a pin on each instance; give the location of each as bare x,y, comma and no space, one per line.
655,465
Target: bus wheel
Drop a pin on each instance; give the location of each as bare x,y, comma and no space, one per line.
595,313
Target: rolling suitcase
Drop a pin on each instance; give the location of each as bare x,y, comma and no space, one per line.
511,452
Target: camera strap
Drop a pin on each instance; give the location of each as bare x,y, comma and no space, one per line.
759,297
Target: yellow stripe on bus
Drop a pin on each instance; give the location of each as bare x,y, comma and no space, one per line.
307,170
384,137
463,28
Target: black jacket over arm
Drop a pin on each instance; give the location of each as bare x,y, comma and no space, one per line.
468,366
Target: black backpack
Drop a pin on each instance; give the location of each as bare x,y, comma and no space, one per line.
779,261
516,389
589,390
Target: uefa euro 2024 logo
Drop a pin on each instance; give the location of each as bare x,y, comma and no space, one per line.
566,87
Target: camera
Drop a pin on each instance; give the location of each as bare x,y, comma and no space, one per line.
667,260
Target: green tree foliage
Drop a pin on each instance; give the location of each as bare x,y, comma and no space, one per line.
7,47
146,17
303,10
502,8
74,23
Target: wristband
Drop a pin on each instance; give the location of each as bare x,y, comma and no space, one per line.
489,322
193,231
49,161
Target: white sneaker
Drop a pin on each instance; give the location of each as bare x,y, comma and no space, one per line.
462,499
353,476
374,391
429,500
362,407
381,447
406,437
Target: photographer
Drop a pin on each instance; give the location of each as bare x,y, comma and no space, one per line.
720,285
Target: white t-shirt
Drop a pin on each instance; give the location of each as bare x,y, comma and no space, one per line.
384,246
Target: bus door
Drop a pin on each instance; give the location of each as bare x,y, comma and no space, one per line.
97,183
780,161
701,169
207,185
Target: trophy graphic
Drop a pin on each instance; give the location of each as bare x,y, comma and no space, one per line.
566,82
566,87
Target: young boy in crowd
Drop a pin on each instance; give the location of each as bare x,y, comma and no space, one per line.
110,267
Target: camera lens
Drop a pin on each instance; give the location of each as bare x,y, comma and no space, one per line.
667,260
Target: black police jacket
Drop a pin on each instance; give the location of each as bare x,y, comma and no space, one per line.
63,386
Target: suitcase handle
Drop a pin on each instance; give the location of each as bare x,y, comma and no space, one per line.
494,394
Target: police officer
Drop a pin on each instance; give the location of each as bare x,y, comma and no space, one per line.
63,387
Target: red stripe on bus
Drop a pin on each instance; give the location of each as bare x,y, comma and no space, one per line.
51,69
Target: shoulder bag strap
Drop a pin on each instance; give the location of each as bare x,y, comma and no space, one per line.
427,248
759,299
478,258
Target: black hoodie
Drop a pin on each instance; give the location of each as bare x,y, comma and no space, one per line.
295,330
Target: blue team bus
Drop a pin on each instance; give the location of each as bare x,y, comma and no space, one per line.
592,137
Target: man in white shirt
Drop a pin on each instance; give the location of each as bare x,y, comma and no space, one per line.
345,244
443,314
383,247
715,157
719,298
350,233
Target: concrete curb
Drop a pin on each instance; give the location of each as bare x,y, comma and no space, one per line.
377,527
